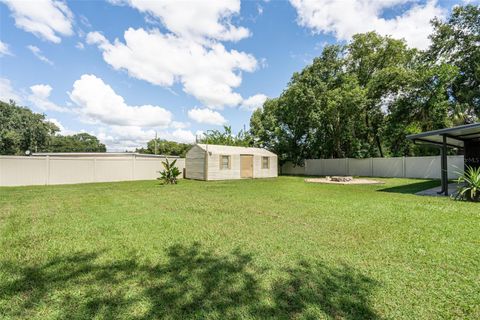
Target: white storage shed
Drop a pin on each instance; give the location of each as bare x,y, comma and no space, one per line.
216,162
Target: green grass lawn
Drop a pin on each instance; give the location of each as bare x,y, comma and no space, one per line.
274,248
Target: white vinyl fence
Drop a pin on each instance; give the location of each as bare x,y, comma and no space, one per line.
49,170
400,167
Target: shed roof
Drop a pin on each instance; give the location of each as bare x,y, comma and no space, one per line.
456,136
219,149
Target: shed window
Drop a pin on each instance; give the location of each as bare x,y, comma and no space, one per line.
224,162
265,163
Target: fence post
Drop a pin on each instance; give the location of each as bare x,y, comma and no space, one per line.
47,169
347,167
404,167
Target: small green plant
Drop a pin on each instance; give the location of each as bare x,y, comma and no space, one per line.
469,185
170,174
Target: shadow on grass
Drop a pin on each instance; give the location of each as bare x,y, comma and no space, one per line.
412,188
191,283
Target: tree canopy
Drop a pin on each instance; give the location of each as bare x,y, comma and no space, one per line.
80,142
22,130
362,99
226,137
166,147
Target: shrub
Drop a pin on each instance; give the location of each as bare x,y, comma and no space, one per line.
469,185
170,174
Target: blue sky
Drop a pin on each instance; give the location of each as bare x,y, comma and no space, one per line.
123,69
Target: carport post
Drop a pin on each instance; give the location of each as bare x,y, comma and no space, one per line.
444,165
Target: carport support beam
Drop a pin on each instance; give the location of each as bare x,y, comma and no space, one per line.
444,159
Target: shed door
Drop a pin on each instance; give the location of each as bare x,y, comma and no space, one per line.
246,166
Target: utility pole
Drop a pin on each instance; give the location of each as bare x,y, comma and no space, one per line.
155,142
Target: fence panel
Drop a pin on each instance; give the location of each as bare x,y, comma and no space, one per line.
314,167
16,171
408,167
70,170
388,167
455,166
290,169
360,167
423,167
46,170
335,167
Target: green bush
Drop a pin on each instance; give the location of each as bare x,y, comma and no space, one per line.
469,185
170,174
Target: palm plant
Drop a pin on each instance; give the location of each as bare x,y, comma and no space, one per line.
170,174
469,185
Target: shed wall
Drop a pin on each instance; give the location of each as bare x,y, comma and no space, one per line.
271,172
215,173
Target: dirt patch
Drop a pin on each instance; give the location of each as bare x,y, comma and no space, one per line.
353,181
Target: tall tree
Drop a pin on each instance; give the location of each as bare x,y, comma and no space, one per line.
423,105
336,106
22,130
380,65
457,42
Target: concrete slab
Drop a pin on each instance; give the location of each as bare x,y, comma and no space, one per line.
452,189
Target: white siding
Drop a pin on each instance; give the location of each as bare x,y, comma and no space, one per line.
214,171
195,163
258,172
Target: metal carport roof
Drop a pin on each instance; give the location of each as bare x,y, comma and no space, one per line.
449,137
455,136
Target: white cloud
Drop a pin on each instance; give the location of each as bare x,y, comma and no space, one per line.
38,53
40,98
7,92
346,18
47,19
4,49
206,116
254,102
63,130
208,72
179,135
194,19
179,125
79,46
98,102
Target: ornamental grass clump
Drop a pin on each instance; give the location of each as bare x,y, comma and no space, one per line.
469,185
